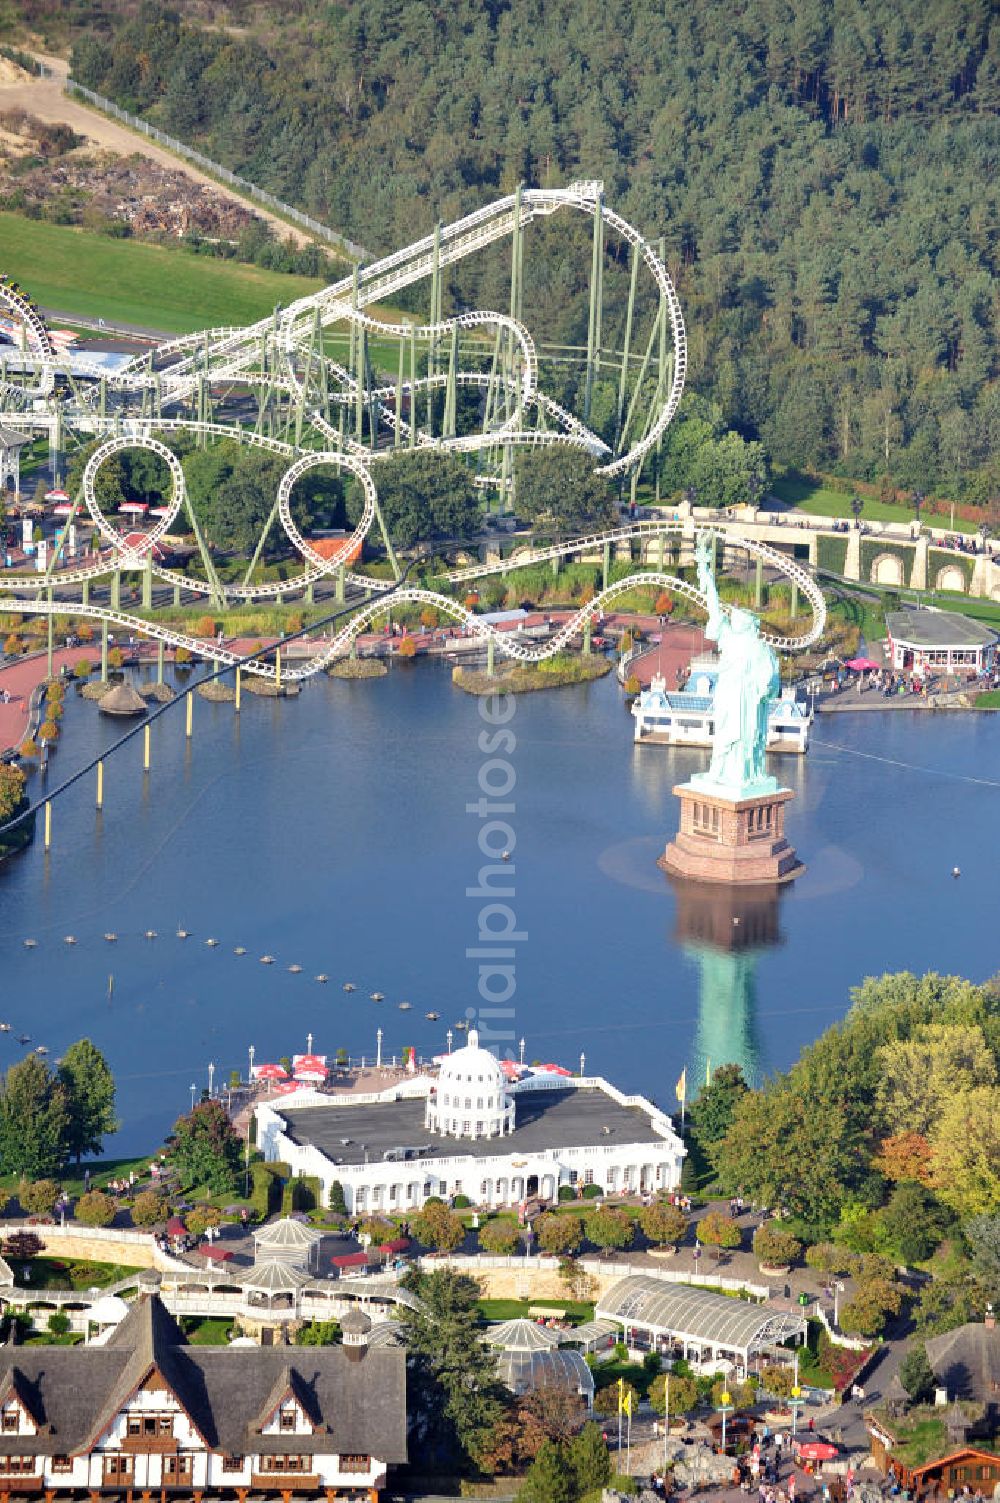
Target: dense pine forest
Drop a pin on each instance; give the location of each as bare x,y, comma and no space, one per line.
824,174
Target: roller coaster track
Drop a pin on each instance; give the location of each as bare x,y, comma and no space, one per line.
282,365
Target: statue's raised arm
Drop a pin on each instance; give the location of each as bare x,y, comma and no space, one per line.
704,558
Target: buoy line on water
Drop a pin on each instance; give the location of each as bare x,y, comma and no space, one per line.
937,772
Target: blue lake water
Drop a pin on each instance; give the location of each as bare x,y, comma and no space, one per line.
331,831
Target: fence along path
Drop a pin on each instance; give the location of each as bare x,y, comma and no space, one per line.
245,188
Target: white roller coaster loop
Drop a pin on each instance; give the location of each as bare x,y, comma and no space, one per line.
133,558
38,352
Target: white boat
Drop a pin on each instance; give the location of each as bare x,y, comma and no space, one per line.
685,717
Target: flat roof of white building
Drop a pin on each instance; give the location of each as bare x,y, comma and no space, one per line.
923,628
579,1117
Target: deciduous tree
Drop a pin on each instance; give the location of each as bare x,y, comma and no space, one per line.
90,1094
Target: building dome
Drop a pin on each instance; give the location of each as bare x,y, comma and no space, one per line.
471,1098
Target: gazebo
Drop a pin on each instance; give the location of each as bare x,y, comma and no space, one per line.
288,1241
522,1336
521,1371
273,1279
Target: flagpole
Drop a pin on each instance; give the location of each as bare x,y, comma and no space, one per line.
621,1403
628,1442
666,1418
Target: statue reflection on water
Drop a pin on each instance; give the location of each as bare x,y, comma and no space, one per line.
724,931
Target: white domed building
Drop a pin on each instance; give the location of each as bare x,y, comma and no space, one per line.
470,1098
471,1125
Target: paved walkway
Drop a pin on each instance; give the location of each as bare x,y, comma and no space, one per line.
20,678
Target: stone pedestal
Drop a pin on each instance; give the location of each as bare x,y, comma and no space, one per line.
731,840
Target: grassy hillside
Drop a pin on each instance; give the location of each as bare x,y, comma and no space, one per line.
76,271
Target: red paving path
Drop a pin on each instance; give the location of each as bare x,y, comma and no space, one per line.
21,677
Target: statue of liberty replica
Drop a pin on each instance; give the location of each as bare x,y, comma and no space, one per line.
732,816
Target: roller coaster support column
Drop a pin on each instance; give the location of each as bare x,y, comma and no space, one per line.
116,590
596,294
86,592
450,401
435,318
490,651
104,652
189,716
359,389
397,434
311,592
623,378
516,258
413,386
159,662
103,397
661,383
605,566
100,785
795,599
147,582
758,584
340,587
56,443
177,594
587,628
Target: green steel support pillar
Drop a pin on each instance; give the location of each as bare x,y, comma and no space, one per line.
159,662
353,651
516,257
662,550
147,583
103,397
435,318
177,594
116,590
795,599
758,584
413,386
623,379
51,625
311,592
341,590
605,566
450,398
86,593
397,436
359,389
556,562
594,317
104,652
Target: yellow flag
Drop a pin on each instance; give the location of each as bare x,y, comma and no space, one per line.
628,1404
621,1395
682,1085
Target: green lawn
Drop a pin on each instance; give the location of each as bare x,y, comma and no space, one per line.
577,1311
816,499
65,1273
101,1171
208,1332
78,271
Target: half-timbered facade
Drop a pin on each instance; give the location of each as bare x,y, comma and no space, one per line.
147,1416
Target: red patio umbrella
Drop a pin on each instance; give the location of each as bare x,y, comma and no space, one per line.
176,1227
64,509
817,1450
555,1069
134,508
56,495
270,1072
215,1254
309,1066
861,665
286,1087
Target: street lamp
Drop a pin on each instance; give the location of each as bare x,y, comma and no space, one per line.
857,506
520,1048
696,1253
211,1077
378,1049
449,1036
193,1090
725,1407
251,1051
838,1289
795,1402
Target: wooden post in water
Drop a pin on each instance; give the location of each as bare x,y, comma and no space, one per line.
145,749
189,727
239,688
48,824
100,785
277,670
104,652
